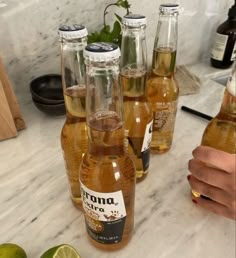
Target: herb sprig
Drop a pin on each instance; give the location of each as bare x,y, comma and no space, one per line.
107,34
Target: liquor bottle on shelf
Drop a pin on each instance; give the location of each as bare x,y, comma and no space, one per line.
223,52
107,172
220,131
162,89
137,110
74,139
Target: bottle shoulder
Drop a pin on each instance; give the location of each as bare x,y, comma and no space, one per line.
227,27
162,85
220,134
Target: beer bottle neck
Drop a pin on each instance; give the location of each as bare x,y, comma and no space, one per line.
133,48
228,105
73,77
72,62
167,32
133,61
165,45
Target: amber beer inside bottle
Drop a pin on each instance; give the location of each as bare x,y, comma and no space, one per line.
74,132
138,119
162,93
137,111
220,132
74,138
107,173
162,90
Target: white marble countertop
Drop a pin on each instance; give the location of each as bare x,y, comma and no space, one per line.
36,211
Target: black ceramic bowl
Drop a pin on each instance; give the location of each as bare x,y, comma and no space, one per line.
47,89
51,109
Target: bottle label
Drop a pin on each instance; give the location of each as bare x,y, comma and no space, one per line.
219,46
145,151
233,56
105,215
147,137
164,116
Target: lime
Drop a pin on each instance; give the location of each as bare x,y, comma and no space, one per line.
60,251
9,250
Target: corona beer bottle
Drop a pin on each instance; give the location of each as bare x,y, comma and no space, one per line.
107,173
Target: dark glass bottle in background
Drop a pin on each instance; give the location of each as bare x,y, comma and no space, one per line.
137,111
223,51
107,172
74,139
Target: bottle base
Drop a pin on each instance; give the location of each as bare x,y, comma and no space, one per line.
77,202
159,150
141,175
221,64
110,247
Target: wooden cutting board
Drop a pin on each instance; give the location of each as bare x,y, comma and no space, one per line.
11,120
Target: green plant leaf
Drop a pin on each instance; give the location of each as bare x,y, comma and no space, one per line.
123,3
106,29
105,37
94,37
118,17
116,33
116,29
105,34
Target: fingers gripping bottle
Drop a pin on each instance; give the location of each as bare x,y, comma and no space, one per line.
107,173
74,137
162,89
137,111
220,132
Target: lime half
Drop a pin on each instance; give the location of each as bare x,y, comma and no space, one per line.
9,250
61,251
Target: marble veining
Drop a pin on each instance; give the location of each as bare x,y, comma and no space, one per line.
36,211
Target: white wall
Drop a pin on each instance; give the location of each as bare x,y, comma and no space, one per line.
29,44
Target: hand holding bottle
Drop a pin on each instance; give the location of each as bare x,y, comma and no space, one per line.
213,174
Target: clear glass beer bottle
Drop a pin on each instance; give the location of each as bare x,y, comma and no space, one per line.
220,133
137,110
162,89
107,172
74,137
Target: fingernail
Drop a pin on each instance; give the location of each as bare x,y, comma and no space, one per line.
194,201
188,177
